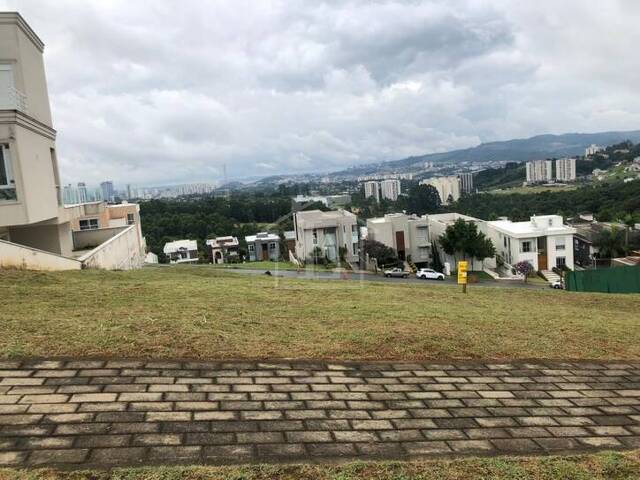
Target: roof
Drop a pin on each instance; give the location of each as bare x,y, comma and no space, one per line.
534,227
263,237
176,245
227,241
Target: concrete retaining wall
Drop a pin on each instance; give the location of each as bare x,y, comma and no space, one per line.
13,255
121,252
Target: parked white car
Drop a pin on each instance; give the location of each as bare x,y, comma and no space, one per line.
396,272
429,274
556,285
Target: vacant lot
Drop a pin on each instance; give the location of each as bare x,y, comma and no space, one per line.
604,466
208,313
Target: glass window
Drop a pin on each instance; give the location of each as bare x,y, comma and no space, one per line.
560,244
526,247
272,246
561,261
4,168
89,224
130,219
251,247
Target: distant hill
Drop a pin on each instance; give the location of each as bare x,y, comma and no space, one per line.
518,150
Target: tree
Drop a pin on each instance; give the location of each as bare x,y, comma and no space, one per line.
524,268
629,220
384,255
422,199
610,243
463,237
437,262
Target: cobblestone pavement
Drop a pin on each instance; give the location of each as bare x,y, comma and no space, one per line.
107,413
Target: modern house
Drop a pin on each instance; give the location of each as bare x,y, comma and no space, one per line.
327,231
36,230
544,241
181,251
223,249
263,246
408,235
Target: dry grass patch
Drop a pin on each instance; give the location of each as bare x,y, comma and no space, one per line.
200,312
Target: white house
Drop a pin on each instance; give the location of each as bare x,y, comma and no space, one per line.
544,241
408,235
263,246
181,251
328,231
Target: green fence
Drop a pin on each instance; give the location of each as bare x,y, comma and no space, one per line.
608,280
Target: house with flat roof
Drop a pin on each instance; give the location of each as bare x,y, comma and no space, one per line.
223,249
327,231
181,251
544,241
408,235
263,246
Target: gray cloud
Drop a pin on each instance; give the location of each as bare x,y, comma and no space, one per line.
159,92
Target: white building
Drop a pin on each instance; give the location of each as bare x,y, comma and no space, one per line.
36,230
328,231
466,182
539,171
408,235
592,149
372,189
263,246
566,169
390,189
544,241
181,251
448,188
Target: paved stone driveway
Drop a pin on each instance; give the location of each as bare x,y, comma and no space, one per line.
107,413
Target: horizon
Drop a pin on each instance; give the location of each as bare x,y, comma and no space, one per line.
300,88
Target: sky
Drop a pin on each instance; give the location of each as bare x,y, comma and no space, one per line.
159,92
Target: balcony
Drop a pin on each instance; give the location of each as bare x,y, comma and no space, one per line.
12,99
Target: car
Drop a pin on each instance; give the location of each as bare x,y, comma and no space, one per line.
429,274
396,272
557,285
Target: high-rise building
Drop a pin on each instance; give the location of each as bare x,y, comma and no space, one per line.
539,171
566,169
372,189
108,193
82,192
448,188
390,189
466,182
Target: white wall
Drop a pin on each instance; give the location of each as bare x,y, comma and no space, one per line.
13,255
121,252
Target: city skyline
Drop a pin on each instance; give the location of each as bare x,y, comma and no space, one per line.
305,92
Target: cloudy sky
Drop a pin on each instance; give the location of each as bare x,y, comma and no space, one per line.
154,92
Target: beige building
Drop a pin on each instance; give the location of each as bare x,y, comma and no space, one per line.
448,188
33,221
328,231
390,189
539,171
406,234
566,169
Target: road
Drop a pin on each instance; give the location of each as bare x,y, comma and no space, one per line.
368,277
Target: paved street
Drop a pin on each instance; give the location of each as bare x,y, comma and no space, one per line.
114,413
367,277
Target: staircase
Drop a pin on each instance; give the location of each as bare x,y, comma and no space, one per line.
550,276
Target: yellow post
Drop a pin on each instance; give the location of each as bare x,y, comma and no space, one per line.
462,275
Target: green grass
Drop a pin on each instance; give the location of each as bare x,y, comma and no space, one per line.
268,265
533,189
603,466
203,312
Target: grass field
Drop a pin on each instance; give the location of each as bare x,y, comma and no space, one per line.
533,189
201,312
604,466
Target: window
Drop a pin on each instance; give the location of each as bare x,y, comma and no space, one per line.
130,219
252,247
559,243
505,241
89,224
7,184
561,261
551,222
315,236
526,247
272,246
